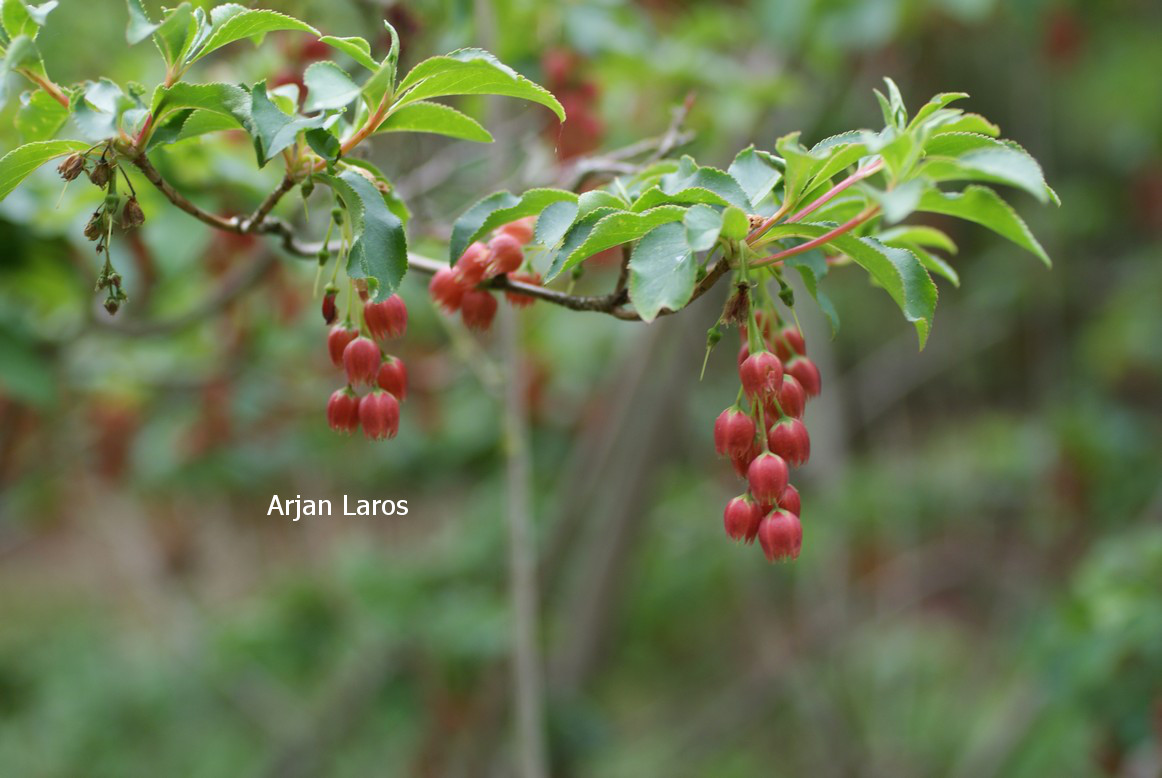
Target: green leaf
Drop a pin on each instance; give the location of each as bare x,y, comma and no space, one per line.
985,207
23,55
189,123
662,271
40,116
898,271
139,27
919,234
690,175
929,260
231,22
897,203
379,250
19,163
99,110
324,143
574,237
653,197
271,129
969,122
472,72
328,87
497,209
176,33
735,224
598,198
19,18
965,156
833,158
555,221
223,99
356,48
616,229
935,104
703,225
812,267
436,118
756,172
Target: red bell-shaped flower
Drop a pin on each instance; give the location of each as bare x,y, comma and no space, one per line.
792,399
807,374
343,410
505,254
388,319
379,415
789,500
393,377
780,535
789,439
741,518
761,374
734,432
337,340
472,264
477,308
446,290
361,361
521,229
767,477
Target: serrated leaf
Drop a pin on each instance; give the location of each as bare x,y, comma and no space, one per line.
139,27
597,198
356,48
929,260
497,209
324,143
97,113
40,116
224,99
690,175
23,54
983,206
554,222
969,122
653,197
435,118
379,249
937,103
616,229
189,123
232,22
812,267
328,87
756,172
19,163
175,34
835,158
919,234
703,225
898,271
662,271
964,156
271,129
19,18
577,234
900,201
472,72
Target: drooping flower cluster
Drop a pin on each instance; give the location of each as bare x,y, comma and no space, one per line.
764,436
367,364
456,288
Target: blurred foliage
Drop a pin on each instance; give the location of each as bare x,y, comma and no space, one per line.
978,594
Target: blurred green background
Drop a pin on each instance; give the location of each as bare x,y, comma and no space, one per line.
979,590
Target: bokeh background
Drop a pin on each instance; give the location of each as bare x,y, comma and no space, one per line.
980,590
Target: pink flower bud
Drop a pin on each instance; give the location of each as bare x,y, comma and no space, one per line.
472,264
379,415
789,439
741,518
343,411
767,477
789,343
505,254
792,399
388,319
521,229
361,361
789,501
393,378
761,374
477,309
807,374
518,300
734,432
780,535
446,290
337,340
